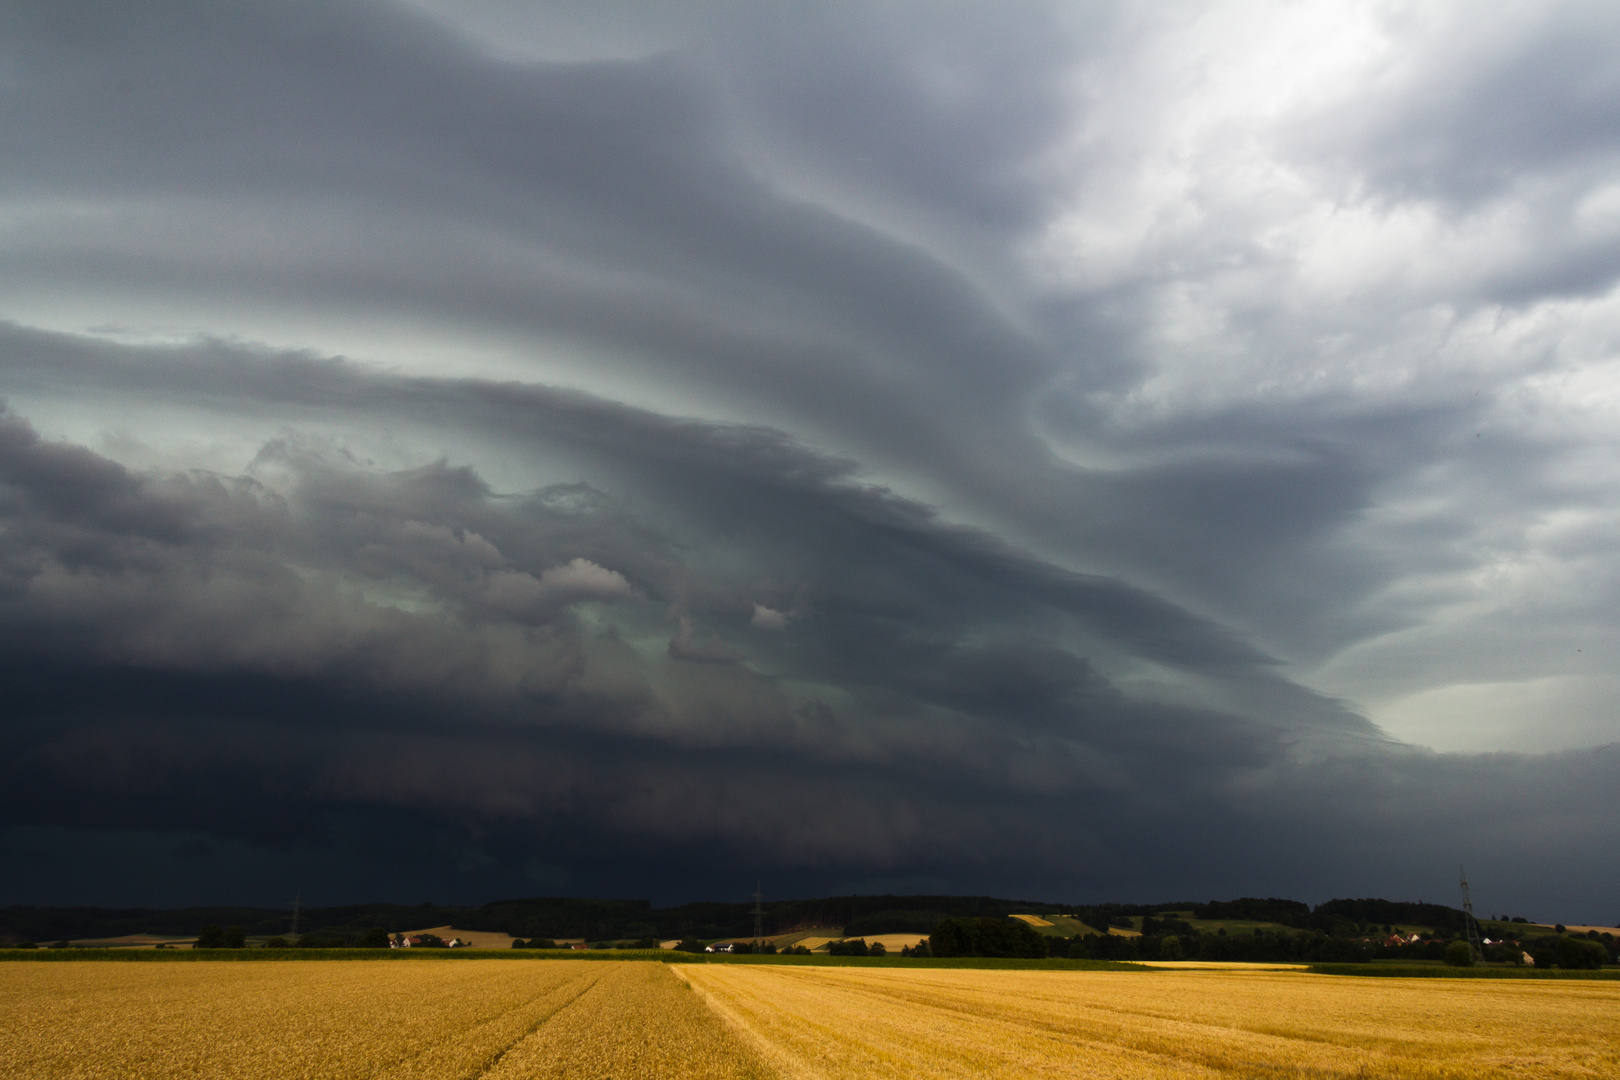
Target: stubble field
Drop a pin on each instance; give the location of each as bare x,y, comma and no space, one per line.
435,1020
505,1020
839,1022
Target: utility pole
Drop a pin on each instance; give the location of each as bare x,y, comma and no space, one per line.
759,915
1468,916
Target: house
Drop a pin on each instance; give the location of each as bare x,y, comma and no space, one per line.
418,941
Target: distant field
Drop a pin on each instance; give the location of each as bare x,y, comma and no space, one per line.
478,939
1036,921
133,941
1231,926
810,937
495,1019
895,942
891,942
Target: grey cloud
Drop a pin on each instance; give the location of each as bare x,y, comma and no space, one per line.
599,202
1471,108
996,579
1489,121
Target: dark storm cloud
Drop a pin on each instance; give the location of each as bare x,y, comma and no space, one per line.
264,658
1005,575
172,668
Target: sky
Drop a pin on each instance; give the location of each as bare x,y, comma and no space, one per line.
1064,450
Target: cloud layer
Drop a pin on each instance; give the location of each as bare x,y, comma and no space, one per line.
1088,451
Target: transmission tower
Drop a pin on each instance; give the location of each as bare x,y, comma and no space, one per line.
1468,916
759,916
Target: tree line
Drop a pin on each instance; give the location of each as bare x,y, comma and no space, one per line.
552,918
1175,939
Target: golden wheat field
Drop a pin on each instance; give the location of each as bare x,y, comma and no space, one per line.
837,1022
508,1019
500,1019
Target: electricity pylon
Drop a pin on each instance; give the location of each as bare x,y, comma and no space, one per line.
1468,916
759,916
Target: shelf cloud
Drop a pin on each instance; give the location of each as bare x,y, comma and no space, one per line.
471,450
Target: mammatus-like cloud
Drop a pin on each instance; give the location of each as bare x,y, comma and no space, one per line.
1048,448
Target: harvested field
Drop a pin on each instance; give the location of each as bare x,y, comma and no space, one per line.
1068,926
506,1020
474,1018
892,942
895,942
816,941
838,1022
133,941
478,939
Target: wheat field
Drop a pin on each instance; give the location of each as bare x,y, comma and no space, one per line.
890,1022
314,1020
506,1020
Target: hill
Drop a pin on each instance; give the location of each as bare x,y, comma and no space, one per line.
608,919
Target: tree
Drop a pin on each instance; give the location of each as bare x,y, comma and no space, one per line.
985,937
234,937
1459,954
210,937
375,938
1170,948
1579,954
